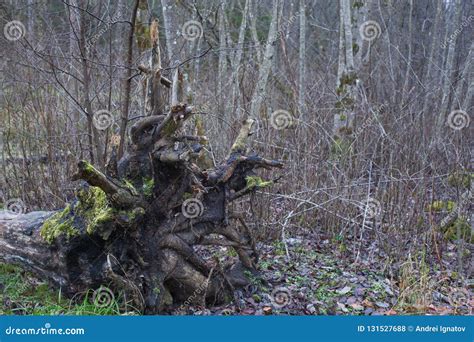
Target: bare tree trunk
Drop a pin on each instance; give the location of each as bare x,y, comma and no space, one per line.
431,59
264,70
360,10
429,74
409,57
448,67
347,76
169,28
302,61
253,30
94,138
346,12
340,60
127,81
222,67
73,82
175,88
154,101
465,77
468,105
235,100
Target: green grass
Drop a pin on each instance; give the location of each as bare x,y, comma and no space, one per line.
21,294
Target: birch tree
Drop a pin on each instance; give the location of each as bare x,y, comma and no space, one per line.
466,77
264,70
170,29
253,30
451,26
236,61
302,60
346,76
431,62
409,56
127,81
222,59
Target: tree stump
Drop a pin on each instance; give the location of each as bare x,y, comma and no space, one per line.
135,228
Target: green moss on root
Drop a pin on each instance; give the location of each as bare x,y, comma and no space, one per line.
94,207
92,213
148,185
59,224
130,187
89,168
256,182
131,215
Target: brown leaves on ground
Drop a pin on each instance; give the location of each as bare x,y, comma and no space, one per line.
318,281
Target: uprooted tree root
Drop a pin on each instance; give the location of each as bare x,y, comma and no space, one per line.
136,226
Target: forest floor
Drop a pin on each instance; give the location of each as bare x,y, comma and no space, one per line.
301,277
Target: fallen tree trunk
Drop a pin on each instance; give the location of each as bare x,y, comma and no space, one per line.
137,228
